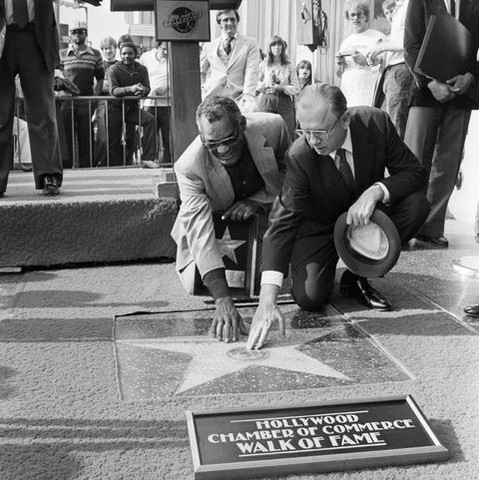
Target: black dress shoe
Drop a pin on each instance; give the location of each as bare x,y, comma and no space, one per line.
472,310
360,288
50,186
438,242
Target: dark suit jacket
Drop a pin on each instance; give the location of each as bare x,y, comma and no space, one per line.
417,19
314,195
46,31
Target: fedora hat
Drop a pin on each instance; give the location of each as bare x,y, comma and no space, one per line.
368,250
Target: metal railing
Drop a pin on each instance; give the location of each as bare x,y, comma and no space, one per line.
107,131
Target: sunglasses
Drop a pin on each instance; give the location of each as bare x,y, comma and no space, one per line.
80,31
225,142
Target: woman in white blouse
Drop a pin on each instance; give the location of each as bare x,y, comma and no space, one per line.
278,83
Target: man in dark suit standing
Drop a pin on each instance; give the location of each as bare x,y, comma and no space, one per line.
439,112
30,49
337,165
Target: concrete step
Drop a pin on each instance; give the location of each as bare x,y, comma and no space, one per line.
101,215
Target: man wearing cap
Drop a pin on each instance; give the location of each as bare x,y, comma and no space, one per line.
337,165
83,66
29,47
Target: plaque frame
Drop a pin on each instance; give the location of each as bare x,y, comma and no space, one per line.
314,463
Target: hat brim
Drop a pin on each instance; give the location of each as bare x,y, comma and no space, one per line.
359,264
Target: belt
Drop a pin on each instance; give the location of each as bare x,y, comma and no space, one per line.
13,27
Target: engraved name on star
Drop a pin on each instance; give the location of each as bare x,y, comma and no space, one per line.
211,360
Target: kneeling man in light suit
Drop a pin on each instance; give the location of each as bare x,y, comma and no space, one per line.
235,165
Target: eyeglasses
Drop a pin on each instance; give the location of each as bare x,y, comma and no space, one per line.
79,31
356,15
225,142
319,134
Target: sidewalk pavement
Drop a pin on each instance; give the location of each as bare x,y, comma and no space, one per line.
61,415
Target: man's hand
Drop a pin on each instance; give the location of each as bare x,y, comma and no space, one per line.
460,83
441,91
137,89
264,317
263,320
359,59
242,210
360,211
227,321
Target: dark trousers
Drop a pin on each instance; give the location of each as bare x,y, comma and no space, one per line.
280,103
77,118
436,135
131,117
22,55
162,117
313,274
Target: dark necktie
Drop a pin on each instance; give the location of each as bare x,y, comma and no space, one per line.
345,169
453,8
227,45
20,12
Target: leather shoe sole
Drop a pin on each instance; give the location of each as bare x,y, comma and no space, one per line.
360,288
438,242
472,310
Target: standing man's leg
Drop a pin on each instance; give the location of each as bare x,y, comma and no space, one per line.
164,124
39,98
148,141
83,114
68,116
115,125
421,133
7,105
445,167
397,83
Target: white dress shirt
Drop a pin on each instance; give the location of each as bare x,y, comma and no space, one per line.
273,277
9,11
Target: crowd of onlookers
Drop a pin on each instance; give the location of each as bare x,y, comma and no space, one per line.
254,106
373,70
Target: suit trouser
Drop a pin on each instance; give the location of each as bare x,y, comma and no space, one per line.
162,117
314,260
436,135
77,120
22,55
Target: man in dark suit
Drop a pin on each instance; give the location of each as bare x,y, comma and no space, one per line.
30,49
337,165
439,112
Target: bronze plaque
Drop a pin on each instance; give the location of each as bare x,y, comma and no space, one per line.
332,436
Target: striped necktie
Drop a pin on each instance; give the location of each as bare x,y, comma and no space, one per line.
227,45
20,12
344,169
